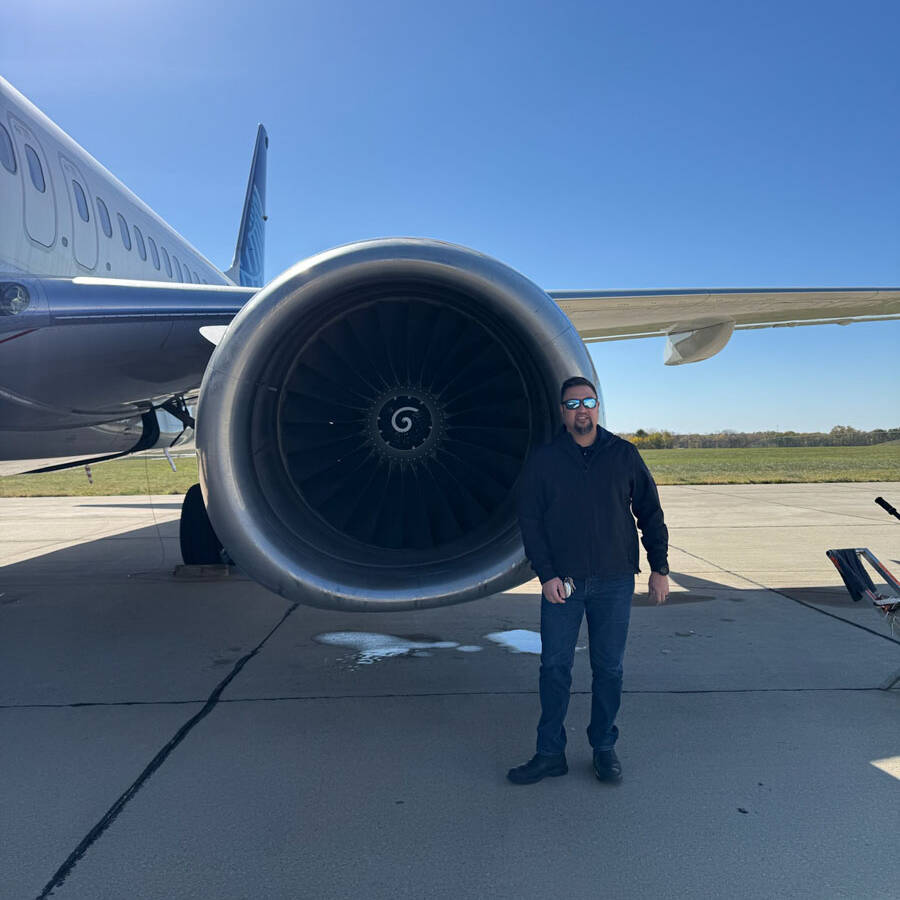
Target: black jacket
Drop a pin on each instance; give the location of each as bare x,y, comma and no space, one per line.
576,513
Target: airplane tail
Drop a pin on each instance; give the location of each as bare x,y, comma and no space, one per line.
249,254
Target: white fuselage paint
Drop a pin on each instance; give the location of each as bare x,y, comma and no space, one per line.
45,232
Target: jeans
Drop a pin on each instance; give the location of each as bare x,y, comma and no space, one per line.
607,603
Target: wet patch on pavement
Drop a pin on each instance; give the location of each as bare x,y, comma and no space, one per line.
370,647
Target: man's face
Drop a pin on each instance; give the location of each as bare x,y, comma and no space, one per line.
581,420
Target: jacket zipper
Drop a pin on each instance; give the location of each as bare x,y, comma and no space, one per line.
593,517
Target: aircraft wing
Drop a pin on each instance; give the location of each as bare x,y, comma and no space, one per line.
698,323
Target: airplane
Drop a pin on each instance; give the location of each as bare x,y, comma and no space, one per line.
360,421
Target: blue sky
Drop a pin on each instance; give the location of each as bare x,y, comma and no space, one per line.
589,145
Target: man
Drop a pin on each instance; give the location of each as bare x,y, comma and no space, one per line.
576,499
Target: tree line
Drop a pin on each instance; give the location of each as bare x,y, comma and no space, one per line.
839,436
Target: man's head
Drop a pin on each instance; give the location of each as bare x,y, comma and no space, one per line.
578,418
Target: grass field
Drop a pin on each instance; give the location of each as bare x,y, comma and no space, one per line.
758,466
768,465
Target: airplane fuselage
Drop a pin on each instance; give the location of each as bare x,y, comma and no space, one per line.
64,392
64,214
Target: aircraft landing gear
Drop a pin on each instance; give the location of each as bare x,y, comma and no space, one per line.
199,544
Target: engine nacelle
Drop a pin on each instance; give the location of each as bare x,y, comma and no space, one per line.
364,421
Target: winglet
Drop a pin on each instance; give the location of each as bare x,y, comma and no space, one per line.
249,254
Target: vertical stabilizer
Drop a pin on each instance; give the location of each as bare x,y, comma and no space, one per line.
249,254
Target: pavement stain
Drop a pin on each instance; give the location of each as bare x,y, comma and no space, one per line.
371,646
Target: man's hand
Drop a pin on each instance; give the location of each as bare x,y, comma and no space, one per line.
659,588
554,590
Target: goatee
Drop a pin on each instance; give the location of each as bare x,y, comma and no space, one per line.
584,429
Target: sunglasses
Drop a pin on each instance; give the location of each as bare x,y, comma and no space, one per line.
574,403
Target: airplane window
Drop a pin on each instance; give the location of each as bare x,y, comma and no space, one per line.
140,242
194,277
177,267
7,157
105,224
123,228
34,167
81,201
203,281
153,252
167,261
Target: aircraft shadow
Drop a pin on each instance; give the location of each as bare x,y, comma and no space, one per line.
151,548
148,505
152,552
700,589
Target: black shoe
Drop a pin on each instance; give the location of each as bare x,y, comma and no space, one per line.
538,767
607,766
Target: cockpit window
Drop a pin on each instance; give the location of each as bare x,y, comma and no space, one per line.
81,201
153,252
167,261
139,238
105,224
177,267
123,228
34,168
7,156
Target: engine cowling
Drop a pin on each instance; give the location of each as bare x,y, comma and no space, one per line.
364,421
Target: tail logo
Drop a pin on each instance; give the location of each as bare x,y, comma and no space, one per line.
253,250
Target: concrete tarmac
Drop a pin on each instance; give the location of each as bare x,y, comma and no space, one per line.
173,738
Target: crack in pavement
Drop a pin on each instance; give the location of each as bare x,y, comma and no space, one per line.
112,813
277,698
214,699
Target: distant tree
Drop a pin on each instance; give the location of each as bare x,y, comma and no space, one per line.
840,435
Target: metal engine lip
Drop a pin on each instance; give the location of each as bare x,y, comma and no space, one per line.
236,375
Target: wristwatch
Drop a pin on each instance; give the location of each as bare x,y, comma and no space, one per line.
663,569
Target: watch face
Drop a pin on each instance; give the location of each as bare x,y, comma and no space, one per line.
663,570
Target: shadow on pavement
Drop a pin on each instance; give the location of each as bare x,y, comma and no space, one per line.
148,505
113,556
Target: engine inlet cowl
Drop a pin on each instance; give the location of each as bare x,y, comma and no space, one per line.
364,421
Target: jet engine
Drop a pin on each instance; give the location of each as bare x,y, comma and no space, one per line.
363,423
